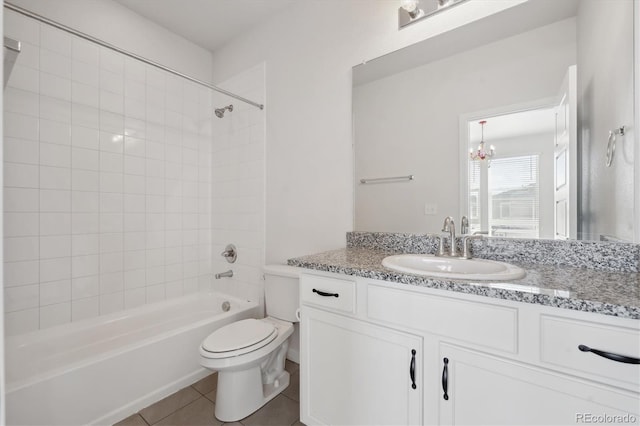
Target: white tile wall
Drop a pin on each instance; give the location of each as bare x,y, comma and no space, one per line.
107,181
238,181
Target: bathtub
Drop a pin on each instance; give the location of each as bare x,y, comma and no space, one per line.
100,370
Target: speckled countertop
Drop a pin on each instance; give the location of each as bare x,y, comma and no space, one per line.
589,290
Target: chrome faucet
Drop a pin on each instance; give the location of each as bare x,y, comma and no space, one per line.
464,225
225,274
450,227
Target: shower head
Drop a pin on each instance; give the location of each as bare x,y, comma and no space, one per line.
220,111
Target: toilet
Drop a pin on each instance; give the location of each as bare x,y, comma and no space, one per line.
249,355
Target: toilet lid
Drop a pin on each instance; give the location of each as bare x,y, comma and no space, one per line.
240,334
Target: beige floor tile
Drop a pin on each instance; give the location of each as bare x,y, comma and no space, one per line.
206,385
298,423
168,405
278,412
293,390
134,420
232,424
198,413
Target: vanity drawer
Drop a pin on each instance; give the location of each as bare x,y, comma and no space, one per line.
326,292
560,338
483,324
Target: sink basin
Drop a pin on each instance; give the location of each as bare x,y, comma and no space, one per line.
452,267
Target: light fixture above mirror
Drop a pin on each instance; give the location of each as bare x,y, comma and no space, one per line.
411,11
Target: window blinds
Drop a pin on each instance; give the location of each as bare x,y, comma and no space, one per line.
514,196
504,198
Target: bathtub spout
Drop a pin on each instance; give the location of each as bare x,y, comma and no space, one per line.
226,274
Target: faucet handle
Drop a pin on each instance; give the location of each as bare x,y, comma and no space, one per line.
464,225
448,221
230,253
440,238
466,253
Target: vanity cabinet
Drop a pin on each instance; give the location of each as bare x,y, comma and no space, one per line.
354,372
497,361
482,389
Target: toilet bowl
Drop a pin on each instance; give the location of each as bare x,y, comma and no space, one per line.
249,355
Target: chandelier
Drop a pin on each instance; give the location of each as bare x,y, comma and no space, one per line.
481,153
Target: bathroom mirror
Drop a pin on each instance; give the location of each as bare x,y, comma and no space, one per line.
416,114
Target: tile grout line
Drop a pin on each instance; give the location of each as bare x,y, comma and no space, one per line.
174,412
202,395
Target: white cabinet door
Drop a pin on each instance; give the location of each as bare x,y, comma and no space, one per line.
487,390
354,373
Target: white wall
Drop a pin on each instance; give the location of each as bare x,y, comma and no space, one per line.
605,102
309,51
407,123
107,181
110,21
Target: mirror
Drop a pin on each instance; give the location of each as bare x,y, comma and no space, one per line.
416,113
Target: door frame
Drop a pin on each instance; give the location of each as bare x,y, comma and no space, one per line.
463,149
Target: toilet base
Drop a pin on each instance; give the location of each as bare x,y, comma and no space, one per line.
241,393
246,382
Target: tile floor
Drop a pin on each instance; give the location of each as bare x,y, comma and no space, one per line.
194,405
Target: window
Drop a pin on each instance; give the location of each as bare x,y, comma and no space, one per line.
512,194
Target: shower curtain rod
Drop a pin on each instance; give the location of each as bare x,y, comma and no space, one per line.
85,36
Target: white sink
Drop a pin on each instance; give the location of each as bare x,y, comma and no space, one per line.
452,267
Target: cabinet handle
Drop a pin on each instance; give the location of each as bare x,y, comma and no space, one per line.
445,378
412,369
610,355
324,293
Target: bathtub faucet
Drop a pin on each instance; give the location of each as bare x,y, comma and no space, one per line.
226,274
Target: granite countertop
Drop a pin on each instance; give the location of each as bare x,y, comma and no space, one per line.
608,293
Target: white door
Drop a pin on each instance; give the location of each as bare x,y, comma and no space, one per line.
354,373
487,390
565,159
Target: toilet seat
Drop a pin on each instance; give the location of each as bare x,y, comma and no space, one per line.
239,338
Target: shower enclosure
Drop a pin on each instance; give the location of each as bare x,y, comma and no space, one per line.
115,170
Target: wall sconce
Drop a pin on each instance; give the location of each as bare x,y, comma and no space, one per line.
480,153
411,11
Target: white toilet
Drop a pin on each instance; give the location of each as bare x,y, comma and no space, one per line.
249,354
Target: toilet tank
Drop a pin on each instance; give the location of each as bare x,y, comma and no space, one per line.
281,291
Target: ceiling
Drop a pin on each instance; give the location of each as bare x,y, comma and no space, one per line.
208,23
508,126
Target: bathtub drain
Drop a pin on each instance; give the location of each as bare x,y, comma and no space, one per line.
226,306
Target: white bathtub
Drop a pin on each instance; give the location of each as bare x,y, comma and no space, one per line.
101,370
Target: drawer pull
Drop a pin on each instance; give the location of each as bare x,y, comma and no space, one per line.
324,293
445,379
412,369
610,355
